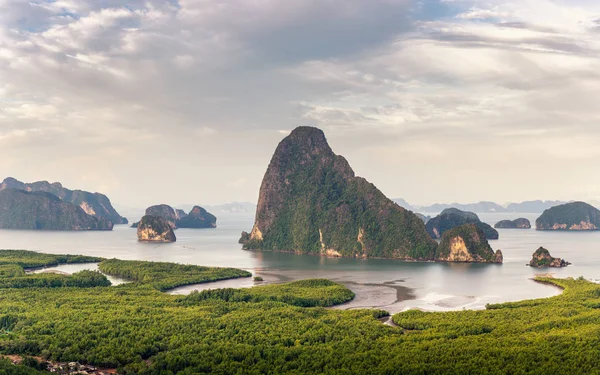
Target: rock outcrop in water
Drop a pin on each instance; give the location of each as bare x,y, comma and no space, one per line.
520,223
311,202
466,243
451,218
155,229
94,204
542,258
40,210
576,216
198,217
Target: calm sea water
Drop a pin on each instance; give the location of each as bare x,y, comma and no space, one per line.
388,284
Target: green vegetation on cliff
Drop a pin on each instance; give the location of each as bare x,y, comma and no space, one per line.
81,279
466,243
574,216
44,211
264,330
32,259
451,218
311,202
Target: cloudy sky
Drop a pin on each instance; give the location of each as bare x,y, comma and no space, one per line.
185,101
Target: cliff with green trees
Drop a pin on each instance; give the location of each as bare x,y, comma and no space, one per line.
575,216
94,204
310,202
39,210
451,218
466,243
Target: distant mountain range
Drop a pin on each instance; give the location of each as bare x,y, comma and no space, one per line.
234,207
537,206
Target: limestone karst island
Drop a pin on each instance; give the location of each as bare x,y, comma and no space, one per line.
359,187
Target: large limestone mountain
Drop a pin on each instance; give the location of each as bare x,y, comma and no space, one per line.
311,202
94,204
20,209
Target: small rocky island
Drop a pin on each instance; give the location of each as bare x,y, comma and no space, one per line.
155,229
451,218
20,209
575,216
466,243
94,204
197,218
520,223
542,258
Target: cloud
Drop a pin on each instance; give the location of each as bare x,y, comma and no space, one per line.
205,90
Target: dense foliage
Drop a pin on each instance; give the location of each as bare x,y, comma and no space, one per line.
311,202
81,279
451,218
44,211
466,243
262,330
163,276
303,293
32,259
570,216
7,368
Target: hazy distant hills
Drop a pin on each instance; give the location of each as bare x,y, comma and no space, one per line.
94,204
234,207
537,206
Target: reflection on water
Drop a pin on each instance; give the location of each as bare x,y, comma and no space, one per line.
434,286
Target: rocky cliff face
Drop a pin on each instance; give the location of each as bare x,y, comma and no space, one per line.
155,229
520,223
311,202
466,243
451,218
21,209
166,212
542,258
94,204
575,216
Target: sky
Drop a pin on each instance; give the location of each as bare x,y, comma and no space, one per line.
184,101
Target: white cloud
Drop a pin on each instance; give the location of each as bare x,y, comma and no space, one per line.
205,90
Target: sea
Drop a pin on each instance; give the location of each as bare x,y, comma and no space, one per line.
384,284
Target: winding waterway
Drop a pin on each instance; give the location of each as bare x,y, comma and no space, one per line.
386,284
